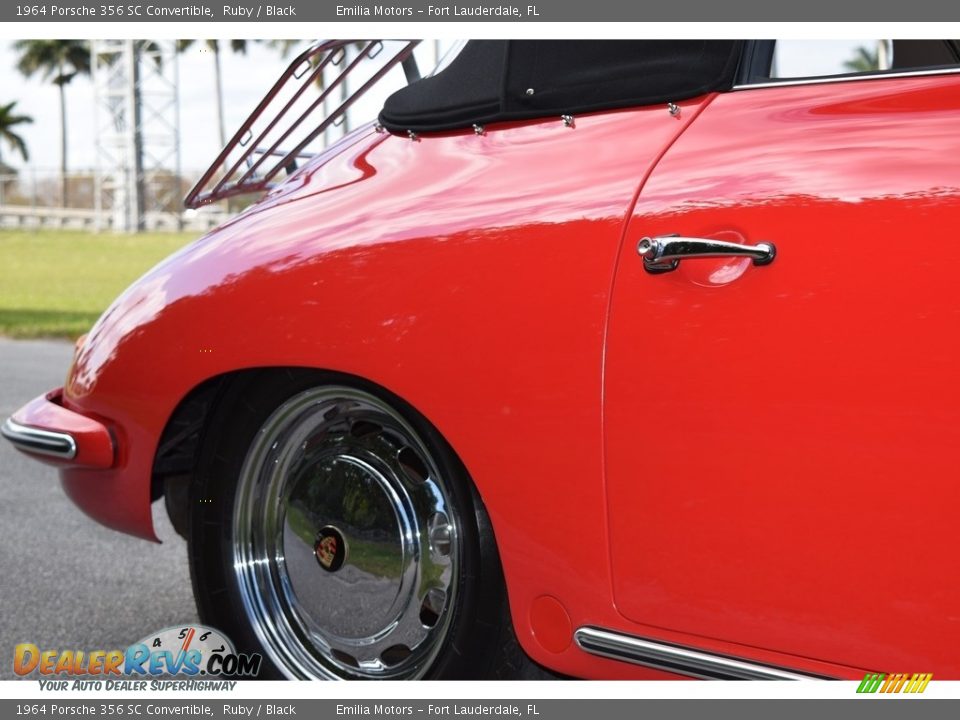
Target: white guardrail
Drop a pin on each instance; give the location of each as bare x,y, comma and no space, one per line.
25,216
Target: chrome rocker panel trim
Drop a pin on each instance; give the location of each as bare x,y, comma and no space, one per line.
678,659
39,442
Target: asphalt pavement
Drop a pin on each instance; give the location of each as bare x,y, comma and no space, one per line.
65,581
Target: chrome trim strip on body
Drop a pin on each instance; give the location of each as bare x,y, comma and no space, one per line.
845,78
40,442
678,659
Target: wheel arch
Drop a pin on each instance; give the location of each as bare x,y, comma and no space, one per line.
177,454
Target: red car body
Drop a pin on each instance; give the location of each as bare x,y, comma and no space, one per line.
753,462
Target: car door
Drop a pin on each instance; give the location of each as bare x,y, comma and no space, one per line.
782,439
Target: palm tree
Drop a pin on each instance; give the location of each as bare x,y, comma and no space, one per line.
239,46
8,120
58,61
867,60
284,46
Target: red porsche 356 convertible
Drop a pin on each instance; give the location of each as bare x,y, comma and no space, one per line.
615,359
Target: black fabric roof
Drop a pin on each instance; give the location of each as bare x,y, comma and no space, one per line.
490,80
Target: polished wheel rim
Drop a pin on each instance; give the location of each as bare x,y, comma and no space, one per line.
346,546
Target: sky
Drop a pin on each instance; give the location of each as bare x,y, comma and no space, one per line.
246,78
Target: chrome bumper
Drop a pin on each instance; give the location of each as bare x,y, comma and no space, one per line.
39,442
51,433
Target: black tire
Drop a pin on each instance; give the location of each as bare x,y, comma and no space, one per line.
472,636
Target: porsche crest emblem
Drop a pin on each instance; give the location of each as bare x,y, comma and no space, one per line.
327,551
330,548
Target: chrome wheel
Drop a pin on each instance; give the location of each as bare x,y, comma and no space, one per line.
346,548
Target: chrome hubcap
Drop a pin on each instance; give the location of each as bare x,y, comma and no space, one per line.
345,542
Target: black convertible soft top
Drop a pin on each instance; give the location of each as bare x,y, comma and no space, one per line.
495,80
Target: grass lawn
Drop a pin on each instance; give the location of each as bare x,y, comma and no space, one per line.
56,283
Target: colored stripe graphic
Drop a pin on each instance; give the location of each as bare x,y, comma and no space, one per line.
870,682
894,683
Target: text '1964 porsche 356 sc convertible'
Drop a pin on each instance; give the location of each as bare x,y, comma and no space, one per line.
603,359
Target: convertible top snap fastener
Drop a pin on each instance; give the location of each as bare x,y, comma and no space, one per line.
568,120
412,135
478,129
529,91
674,109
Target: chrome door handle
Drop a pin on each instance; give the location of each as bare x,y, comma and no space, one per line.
664,253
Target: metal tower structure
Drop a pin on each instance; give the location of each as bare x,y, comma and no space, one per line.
137,126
